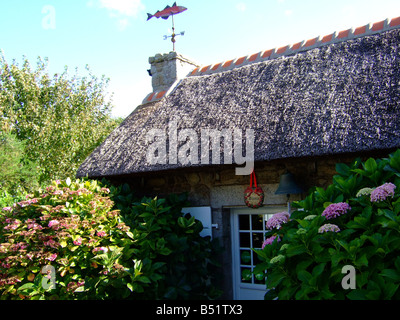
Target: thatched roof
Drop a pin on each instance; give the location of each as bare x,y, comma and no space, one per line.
337,97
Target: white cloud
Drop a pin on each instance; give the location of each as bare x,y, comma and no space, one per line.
123,24
288,13
128,8
121,10
241,6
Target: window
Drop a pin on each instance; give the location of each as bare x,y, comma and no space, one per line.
248,231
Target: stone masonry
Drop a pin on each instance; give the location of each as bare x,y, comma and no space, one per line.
168,68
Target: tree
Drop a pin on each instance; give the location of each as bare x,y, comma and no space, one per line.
60,119
16,173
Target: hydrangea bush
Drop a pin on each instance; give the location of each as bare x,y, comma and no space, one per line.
354,222
65,242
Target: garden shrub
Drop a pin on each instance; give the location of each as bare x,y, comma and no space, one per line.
70,241
354,222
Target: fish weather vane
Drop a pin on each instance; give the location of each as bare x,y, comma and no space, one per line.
165,14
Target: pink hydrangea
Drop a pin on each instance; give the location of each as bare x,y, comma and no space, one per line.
277,220
269,241
26,203
328,227
382,192
78,241
52,257
104,249
101,233
105,190
53,223
51,243
335,210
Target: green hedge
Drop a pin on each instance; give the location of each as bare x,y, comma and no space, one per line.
352,224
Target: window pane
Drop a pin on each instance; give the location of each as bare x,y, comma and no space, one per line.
246,275
245,239
245,257
257,239
257,222
244,223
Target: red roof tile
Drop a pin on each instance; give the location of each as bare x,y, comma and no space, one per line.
227,64
360,30
343,34
378,25
240,60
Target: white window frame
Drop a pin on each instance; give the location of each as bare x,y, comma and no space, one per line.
240,288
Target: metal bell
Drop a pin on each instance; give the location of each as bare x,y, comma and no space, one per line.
287,185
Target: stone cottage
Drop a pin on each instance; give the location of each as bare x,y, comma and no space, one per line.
300,108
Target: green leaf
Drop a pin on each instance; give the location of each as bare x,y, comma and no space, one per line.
362,261
144,279
343,169
391,274
304,276
389,289
394,160
357,294
317,270
294,250
274,278
370,165
26,287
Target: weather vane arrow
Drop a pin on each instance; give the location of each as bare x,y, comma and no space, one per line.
165,14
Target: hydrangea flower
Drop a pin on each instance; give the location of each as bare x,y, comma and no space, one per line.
78,241
277,259
335,210
53,223
269,241
382,192
101,233
364,192
277,220
52,257
328,227
310,217
301,231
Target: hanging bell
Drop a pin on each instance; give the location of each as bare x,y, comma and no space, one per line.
287,185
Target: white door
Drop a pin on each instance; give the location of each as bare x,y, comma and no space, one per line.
248,230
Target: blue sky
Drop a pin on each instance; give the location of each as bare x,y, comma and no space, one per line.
115,40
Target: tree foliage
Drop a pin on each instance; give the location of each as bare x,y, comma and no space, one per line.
16,172
60,119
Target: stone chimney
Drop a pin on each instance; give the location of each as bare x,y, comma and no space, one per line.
168,68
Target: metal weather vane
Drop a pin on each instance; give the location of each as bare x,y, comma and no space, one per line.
165,14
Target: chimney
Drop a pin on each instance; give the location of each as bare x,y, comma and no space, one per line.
168,68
